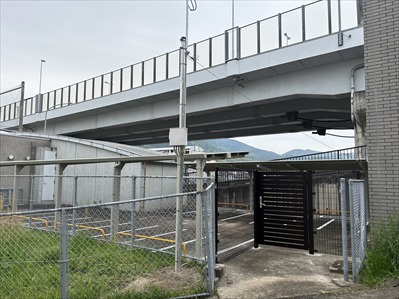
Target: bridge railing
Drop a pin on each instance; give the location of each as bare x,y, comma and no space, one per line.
352,153
320,18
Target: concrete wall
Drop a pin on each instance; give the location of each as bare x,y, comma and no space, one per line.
20,149
90,188
381,55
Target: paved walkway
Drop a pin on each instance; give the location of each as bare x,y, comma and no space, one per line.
274,272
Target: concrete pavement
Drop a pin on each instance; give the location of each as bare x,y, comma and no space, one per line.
275,272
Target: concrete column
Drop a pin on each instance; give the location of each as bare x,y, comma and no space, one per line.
17,172
251,190
116,194
359,103
198,223
58,192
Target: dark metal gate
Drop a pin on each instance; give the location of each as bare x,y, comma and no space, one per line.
283,210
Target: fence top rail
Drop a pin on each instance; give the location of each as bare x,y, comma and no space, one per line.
34,212
128,159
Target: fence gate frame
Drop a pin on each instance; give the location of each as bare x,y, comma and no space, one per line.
299,209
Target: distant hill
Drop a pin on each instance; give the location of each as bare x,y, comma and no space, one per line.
230,145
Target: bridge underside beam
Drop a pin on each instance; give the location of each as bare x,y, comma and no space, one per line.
310,113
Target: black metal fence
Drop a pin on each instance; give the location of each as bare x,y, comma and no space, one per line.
328,211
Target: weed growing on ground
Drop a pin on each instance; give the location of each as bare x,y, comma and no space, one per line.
382,259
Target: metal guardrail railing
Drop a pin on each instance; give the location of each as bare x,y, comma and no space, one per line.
352,153
322,17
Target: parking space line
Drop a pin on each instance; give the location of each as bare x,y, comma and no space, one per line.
234,247
225,219
325,224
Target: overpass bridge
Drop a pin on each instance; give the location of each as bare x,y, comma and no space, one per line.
296,71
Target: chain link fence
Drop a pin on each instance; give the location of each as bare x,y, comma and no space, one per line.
358,225
114,237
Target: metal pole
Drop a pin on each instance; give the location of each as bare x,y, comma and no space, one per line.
64,256
21,108
232,30
199,215
75,203
32,180
340,33
133,212
342,191
40,79
180,153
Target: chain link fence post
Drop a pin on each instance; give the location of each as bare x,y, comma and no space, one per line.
358,225
64,256
133,212
342,191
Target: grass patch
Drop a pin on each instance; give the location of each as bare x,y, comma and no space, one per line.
382,259
30,267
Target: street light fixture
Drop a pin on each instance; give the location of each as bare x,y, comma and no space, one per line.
40,79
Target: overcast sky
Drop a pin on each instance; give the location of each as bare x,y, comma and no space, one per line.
83,39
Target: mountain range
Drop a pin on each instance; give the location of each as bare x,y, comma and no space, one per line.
230,145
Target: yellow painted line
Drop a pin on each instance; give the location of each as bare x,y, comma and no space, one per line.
153,238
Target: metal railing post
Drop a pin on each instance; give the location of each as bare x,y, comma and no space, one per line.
131,76
226,45
210,52
258,37
280,38
329,16
303,23
142,73
195,57
238,45
154,70
121,80
64,256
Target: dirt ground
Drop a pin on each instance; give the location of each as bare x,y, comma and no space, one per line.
168,279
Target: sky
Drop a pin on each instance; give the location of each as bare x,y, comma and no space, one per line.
83,39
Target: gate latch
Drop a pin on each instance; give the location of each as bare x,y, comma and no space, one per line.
260,202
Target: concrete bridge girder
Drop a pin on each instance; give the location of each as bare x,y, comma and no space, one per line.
311,78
